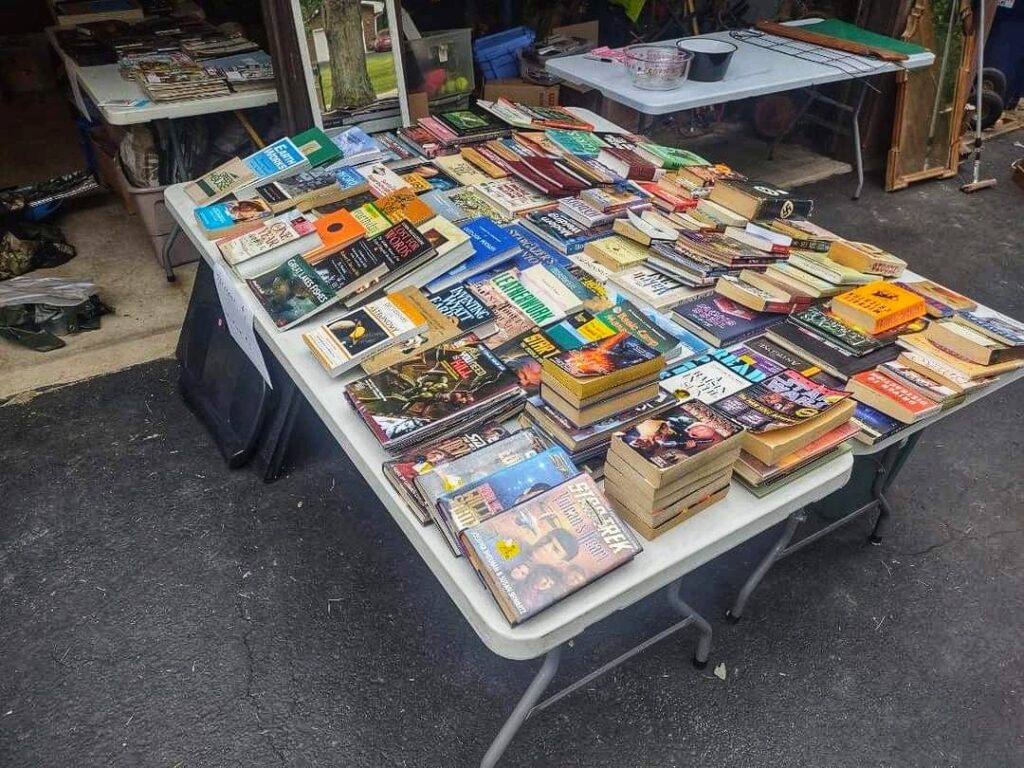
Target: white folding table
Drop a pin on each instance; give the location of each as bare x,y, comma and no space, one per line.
762,64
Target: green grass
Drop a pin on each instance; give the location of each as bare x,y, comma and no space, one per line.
379,66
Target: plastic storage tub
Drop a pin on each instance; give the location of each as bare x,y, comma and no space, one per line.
445,62
497,54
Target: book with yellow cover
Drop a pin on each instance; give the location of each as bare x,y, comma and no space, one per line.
616,252
878,306
865,257
602,365
403,205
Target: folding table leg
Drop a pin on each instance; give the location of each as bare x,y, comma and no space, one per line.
165,252
890,467
700,656
855,125
774,555
522,710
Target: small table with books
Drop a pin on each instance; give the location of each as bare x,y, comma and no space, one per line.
482,295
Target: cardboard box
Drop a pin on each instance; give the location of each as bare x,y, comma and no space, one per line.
588,30
516,90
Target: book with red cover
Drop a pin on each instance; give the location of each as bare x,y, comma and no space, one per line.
627,164
891,397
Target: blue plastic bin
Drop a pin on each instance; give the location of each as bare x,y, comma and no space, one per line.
496,54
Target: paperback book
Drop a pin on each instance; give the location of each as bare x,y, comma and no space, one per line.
784,400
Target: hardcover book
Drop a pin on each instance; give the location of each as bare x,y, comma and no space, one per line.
784,400
291,292
403,205
418,398
317,147
511,197
403,471
541,551
220,182
231,217
345,342
282,158
505,488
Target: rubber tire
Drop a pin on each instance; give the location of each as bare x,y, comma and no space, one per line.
993,79
991,109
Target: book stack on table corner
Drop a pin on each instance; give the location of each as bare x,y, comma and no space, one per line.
521,308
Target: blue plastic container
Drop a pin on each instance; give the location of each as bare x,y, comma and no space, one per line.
496,54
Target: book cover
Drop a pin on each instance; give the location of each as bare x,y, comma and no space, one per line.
875,423
783,400
403,246
998,326
427,391
291,292
439,329
371,219
820,321
356,147
764,349
680,434
403,205
543,550
708,383
550,288
523,355
221,181
760,200
448,476
273,234
382,180
468,311
504,488
722,321
282,158
473,204
511,196
341,343
353,269
628,318
560,230
616,252
670,158
316,146
512,289
882,392
600,365
509,322
807,346
650,287
579,143
430,178
878,306
749,365
403,471
336,230
227,215
583,212
461,170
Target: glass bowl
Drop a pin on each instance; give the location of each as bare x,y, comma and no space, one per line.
657,67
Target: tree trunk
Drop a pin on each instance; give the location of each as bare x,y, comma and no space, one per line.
350,83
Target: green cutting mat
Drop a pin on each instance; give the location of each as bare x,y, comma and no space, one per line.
854,34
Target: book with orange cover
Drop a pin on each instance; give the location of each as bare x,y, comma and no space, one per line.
878,306
336,230
404,205
891,397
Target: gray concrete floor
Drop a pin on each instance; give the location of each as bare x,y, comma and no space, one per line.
159,610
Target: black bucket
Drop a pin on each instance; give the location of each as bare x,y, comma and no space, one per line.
710,57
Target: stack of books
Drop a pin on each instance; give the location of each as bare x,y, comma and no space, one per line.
666,469
601,378
794,424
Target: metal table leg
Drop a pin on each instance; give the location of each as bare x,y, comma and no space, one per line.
855,126
890,464
774,555
530,702
165,252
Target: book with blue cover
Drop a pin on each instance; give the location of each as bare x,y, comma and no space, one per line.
492,245
477,501
535,251
356,147
690,344
275,161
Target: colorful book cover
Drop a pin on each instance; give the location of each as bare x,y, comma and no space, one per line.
403,205
509,285
600,432
562,231
506,487
885,305
403,471
708,382
228,213
512,196
891,389
439,329
464,307
543,550
627,317
1003,329
291,292
600,358
282,158
523,355
353,268
273,234
680,434
449,380
428,178
820,321
317,147
766,352
336,230
382,180
578,329
461,170
405,246
671,158
783,400
725,319
473,203
356,146
874,422
448,476
371,219
689,344
509,322
579,143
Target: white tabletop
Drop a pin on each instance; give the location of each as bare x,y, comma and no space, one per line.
104,86
696,541
753,71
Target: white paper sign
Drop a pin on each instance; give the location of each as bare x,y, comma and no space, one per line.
238,315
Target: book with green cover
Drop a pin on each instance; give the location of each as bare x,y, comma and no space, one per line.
292,292
670,158
317,147
579,143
